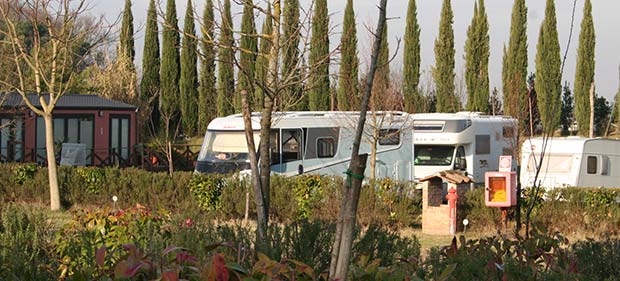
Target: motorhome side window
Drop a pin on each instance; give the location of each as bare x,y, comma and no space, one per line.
389,137
508,132
483,144
322,142
592,161
325,147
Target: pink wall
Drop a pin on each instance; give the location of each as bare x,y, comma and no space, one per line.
101,128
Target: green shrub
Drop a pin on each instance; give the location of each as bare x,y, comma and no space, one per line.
308,190
24,172
93,178
598,260
24,250
76,243
207,190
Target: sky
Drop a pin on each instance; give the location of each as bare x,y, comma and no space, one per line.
605,13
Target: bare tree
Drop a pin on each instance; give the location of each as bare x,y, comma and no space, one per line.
49,58
341,250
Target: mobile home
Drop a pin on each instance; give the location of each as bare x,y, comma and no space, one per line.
467,141
572,161
310,142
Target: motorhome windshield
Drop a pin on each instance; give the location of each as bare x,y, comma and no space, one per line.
225,145
433,155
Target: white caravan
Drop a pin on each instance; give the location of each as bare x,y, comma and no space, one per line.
572,161
310,142
465,141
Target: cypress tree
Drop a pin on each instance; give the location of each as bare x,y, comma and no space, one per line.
413,101
443,73
150,84
262,61
383,71
584,75
126,47
226,72
319,91
477,60
548,71
616,111
247,59
379,99
348,89
514,72
189,74
208,93
290,60
170,65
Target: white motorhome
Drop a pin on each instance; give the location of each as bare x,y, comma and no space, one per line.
310,142
571,161
467,141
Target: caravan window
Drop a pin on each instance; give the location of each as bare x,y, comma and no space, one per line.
389,137
592,161
551,163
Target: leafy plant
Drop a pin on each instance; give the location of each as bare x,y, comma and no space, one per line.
207,190
92,178
308,190
24,248
24,172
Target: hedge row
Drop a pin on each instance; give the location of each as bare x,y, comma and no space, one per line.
221,197
383,202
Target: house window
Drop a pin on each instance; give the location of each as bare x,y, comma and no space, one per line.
67,129
389,137
592,161
119,136
11,139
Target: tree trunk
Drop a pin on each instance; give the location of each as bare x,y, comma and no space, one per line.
262,202
170,158
341,251
373,153
52,169
348,215
259,198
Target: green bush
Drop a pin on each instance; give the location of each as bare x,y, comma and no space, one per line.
23,173
24,244
207,191
598,259
93,178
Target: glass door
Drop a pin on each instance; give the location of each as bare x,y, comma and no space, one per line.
119,136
